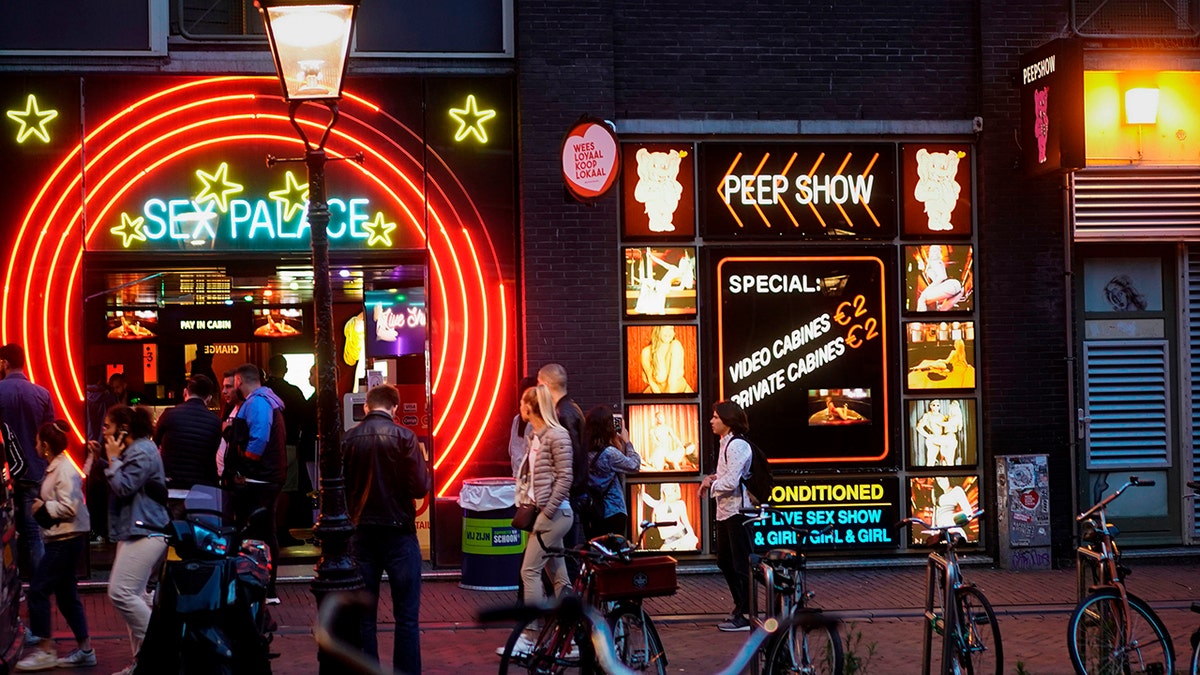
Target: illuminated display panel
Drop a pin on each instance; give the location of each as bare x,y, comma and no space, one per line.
660,281
935,499
941,432
940,354
279,323
131,324
936,189
660,360
839,407
939,278
790,325
456,199
395,322
666,435
824,190
863,511
658,190
667,502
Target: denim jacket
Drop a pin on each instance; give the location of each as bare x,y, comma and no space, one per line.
128,502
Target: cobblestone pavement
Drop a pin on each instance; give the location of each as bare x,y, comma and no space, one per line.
880,609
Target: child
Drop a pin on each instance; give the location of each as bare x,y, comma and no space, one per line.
63,516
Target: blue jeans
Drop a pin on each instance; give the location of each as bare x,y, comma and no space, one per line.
29,533
377,549
56,574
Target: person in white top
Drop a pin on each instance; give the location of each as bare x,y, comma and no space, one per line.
733,540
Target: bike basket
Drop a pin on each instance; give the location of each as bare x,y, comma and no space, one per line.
639,578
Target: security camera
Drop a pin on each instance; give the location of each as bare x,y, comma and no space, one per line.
977,125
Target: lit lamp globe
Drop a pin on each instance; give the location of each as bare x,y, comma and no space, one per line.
310,43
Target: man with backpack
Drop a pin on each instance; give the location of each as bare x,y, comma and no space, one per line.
733,540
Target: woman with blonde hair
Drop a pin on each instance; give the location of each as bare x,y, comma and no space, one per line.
545,481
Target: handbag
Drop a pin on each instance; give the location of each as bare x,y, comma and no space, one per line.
525,516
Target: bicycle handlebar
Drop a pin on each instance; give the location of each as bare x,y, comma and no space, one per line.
591,551
761,511
1133,481
960,519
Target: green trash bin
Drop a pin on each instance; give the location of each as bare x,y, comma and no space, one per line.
492,548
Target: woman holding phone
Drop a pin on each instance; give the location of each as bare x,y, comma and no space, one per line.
610,454
137,489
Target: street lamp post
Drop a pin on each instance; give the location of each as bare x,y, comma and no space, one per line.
310,43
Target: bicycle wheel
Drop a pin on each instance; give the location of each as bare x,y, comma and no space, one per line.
977,646
550,650
1195,653
811,646
635,640
1098,646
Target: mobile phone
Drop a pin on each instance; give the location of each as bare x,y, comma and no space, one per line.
618,421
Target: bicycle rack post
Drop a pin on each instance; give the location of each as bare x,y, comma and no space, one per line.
763,575
930,615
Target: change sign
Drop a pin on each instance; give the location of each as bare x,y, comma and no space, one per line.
803,346
863,512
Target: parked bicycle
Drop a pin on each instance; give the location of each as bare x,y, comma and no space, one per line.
613,582
955,608
1112,630
780,576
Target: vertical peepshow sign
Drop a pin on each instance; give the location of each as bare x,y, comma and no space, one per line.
1052,114
803,345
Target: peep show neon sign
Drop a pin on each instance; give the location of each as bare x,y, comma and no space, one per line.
223,217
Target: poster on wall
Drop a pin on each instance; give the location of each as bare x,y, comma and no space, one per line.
936,189
940,354
658,190
862,513
278,323
660,281
666,435
660,359
803,347
936,500
667,502
941,432
939,278
817,190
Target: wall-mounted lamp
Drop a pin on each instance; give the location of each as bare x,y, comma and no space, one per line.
1141,105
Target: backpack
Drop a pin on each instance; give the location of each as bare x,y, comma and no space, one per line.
759,482
589,504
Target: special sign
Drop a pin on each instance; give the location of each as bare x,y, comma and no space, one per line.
862,513
799,190
803,344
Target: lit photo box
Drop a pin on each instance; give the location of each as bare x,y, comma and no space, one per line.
941,432
660,359
940,355
660,281
936,499
667,502
939,278
658,190
666,435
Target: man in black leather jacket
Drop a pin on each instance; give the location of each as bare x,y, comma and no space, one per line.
385,473
188,436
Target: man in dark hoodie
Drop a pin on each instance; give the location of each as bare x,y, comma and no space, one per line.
258,450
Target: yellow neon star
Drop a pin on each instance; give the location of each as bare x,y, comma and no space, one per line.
32,120
221,178
381,232
470,120
293,197
130,229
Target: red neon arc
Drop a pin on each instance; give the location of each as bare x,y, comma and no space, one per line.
470,322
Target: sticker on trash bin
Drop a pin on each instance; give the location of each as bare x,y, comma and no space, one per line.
491,537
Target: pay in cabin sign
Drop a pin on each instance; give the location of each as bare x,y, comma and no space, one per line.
862,513
804,345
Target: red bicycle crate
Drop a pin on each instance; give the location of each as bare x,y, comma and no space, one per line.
639,578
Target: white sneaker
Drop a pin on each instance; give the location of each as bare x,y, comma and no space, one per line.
522,647
38,660
77,659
